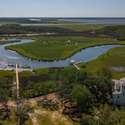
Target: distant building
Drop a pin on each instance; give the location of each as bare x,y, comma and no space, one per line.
35,19
119,92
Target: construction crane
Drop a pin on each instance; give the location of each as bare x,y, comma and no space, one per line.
17,83
18,101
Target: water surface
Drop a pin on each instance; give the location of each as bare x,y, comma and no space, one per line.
9,57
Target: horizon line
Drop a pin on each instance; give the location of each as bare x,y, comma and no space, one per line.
54,17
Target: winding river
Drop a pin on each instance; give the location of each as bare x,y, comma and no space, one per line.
9,58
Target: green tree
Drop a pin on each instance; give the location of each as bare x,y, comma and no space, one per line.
104,115
100,86
5,89
82,96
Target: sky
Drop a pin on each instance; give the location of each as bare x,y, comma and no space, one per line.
62,8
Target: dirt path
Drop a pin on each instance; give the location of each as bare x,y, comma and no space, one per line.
55,117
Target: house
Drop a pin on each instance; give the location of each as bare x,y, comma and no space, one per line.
118,97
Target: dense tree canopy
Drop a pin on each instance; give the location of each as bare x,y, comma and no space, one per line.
82,96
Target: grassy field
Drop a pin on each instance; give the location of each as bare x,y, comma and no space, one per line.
56,48
81,27
7,122
117,31
113,60
12,73
6,73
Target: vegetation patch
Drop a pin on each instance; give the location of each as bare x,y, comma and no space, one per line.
113,59
82,27
56,48
117,31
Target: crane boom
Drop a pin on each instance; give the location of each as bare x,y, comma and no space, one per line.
17,81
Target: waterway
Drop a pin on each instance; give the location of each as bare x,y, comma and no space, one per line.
8,58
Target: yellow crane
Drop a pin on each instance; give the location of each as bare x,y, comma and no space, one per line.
17,83
17,94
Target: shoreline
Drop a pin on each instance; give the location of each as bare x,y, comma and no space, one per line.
61,58
3,42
